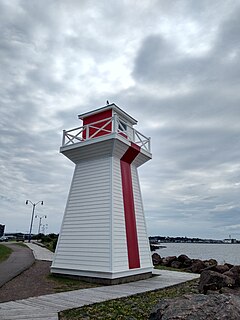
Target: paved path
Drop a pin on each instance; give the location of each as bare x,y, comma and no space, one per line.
20,260
39,252
47,307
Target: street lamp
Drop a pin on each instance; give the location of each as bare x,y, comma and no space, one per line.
33,209
40,221
44,228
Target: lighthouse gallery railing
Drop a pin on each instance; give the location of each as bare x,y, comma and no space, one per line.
104,127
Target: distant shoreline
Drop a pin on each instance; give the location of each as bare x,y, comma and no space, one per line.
159,240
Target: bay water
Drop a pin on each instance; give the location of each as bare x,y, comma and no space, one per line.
221,252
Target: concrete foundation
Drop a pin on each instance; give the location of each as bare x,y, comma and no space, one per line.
103,281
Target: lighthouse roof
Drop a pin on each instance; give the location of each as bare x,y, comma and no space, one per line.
111,106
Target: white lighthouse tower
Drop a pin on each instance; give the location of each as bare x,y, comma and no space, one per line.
103,236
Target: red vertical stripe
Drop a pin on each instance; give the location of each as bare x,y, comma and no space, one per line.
129,208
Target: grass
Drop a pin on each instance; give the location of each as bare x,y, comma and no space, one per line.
50,246
4,252
170,269
136,307
67,284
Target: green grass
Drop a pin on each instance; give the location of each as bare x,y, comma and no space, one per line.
170,269
135,307
50,246
4,252
67,284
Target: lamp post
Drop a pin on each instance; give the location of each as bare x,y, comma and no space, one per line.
40,220
33,209
44,228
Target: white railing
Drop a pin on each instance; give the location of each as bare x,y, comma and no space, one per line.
104,127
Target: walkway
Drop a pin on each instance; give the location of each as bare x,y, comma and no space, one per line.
40,253
20,260
47,307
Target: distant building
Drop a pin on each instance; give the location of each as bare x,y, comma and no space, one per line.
230,240
2,228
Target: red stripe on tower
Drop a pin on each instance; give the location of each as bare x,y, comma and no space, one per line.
129,208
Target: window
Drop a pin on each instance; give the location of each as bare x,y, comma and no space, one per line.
122,126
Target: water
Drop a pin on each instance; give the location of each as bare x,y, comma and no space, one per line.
221,252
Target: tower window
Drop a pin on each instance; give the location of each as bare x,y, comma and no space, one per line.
122,126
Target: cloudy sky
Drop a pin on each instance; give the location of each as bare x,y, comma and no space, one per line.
173,65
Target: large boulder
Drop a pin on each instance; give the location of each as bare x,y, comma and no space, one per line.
197,266
211,280
234,273
221,268
210,262
176,264
185,260
183,257
198,307
168,260
229,265
156,259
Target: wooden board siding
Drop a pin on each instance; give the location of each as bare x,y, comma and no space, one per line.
91,151
119,254
143,243
92,240
84,242
97,117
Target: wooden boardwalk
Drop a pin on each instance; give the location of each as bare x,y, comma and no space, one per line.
47,306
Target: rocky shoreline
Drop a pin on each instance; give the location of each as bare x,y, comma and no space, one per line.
190,265
219,290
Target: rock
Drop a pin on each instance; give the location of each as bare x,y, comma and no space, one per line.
198,307
211,280
210,262
183,257
152,247
187,263
229,265
176,264
168,260
235,269
221,268
185,260
197,266
235,291
234,273
156,259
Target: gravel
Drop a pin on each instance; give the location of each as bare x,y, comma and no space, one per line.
31,283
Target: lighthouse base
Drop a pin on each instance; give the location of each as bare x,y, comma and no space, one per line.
104,278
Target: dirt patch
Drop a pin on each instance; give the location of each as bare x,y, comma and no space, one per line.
31,283
37,281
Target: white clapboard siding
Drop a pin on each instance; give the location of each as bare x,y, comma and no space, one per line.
92,241
93,151
143,243
120,256
89,202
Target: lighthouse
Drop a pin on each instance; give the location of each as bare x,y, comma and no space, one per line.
103,236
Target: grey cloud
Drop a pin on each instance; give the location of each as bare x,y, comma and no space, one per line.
52,57
161,62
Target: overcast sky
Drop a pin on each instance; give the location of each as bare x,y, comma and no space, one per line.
172,65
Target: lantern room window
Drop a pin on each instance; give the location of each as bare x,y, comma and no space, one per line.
122,126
